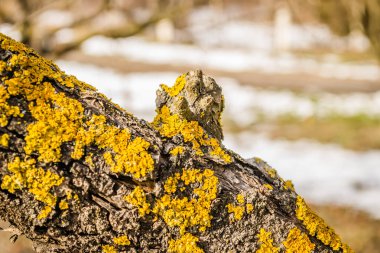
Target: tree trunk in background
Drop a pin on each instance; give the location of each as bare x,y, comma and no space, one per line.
80,174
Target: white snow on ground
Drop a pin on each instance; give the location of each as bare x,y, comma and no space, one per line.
321,173
137,92
138,49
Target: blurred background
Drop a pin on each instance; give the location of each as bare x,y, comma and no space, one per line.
301,80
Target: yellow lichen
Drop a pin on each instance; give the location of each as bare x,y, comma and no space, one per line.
249,208
316,226
177,88
272,172
108,249
7,110
187,243
171,125
54,125
288,185
240,208
122,240
137,198
63,205
240,198
125,155
238,211
4,140
60,119
266,242
44,213
89,160
176,151
298,242
188,212
37,181
268,186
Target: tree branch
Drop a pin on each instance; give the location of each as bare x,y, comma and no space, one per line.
80,174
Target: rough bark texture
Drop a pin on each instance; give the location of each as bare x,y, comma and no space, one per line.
80,174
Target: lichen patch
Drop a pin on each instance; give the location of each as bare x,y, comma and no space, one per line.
192,211
187,243
170,125
317,226
266,242
39,182
298,242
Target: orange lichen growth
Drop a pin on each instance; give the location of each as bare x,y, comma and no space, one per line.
266,242
188,212
177,151
298,242
171,125
122,240
177,87
187,243
108,249
37,181
137,198
4,140
317,227
240,208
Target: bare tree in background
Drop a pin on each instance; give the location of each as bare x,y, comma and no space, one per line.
55,27
345,16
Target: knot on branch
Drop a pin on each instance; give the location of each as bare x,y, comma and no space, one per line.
195,97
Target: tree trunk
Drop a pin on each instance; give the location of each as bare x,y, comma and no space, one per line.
80,174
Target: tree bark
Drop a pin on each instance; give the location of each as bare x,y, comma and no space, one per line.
80,174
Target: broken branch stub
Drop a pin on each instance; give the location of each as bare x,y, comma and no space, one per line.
80,174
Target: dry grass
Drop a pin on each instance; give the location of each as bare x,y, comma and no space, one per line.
358,132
